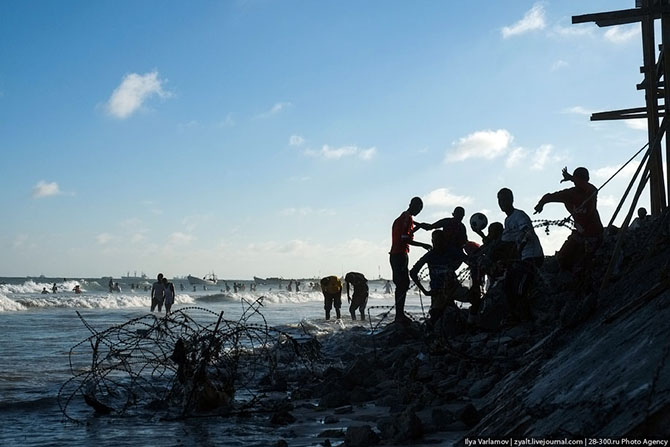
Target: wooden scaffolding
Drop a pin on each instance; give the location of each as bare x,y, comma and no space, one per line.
655,72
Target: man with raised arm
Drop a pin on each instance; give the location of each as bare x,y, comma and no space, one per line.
581,202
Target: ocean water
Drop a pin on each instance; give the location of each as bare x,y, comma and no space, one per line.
38,330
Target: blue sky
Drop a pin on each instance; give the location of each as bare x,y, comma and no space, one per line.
283,138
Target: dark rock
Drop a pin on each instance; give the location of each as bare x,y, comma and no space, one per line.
359,373
330,419
469,415
331,434
332,373
441,417
360,436
388,400
334,399
424,373
409,426
405,426
344,409
360,394
387,428
301,393
281,443
481,387
282,417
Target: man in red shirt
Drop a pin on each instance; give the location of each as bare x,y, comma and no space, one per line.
581,202
402,236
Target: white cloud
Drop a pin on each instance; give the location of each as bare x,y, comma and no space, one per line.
487,144
295,247
134,90
45,189
637,124
558,65
578,110
609,201
367,154
542,157
532,20
296,140
20,240
137,238
104,238
304,211
179,238
622,34
443,197
278,107
607,171
515,157
329,153
573,30
228,121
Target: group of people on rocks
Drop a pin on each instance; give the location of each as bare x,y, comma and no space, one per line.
509,255
507,258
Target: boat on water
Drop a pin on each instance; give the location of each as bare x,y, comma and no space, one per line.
134,277
207,280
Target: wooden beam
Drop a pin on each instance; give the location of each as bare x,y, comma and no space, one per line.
622,16
625,114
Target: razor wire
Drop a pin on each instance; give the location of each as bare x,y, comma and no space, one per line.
180,367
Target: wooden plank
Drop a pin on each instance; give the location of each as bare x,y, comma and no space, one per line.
622,16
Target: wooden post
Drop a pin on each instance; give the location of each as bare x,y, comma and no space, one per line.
630,186
665,36
651,97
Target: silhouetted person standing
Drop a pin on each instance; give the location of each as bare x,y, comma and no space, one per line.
519,229
581,202
331,287
520,275
157,293
169,294
402,236
360,296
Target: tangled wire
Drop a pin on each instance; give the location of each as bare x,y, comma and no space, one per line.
176,367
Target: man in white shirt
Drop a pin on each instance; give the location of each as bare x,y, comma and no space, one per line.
519,276
519,229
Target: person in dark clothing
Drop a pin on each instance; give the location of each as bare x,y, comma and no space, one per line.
581,202
402,236
455,233
360,296
331,287
442,265
157,293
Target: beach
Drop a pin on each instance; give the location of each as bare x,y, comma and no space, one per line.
41,329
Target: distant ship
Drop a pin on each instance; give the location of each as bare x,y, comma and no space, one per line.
207,280
271,279
142,277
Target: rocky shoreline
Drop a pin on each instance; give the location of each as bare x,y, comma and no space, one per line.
586,366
